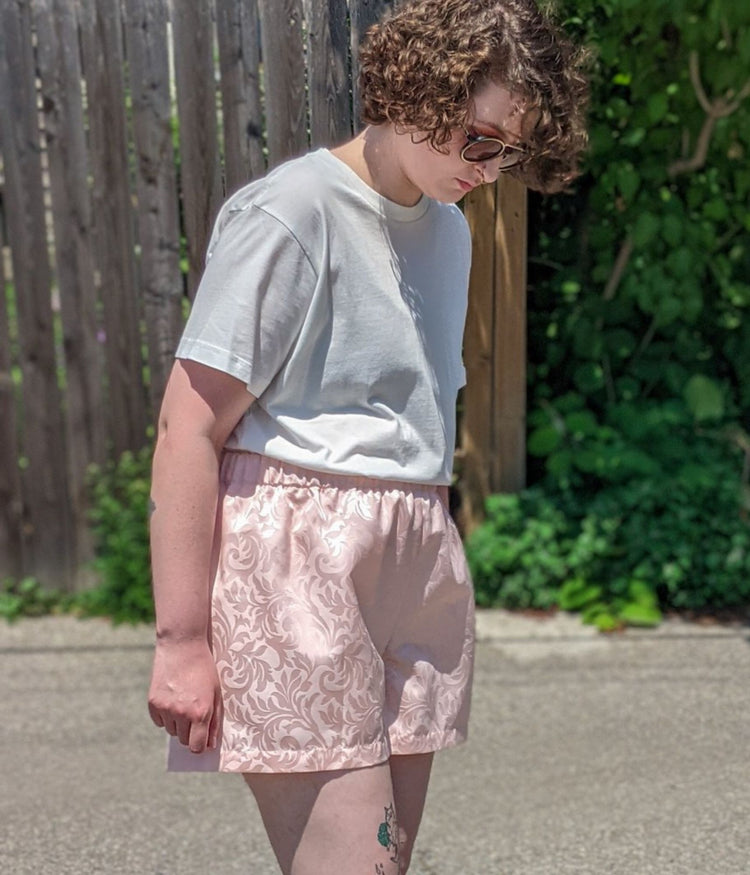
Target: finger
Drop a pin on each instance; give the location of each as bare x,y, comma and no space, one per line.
170,726
216,719
155,715
198,736
183,730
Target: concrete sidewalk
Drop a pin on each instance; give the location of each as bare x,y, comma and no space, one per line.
589,755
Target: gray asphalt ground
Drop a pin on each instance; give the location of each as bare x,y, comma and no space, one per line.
589,754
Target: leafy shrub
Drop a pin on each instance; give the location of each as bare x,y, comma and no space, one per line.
643,512
119,516
639,336
27,598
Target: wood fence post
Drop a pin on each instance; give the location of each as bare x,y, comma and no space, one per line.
46,530
492,444
192,31
363,13
11,505
113,220
328,75
238,30
283,78
156,185
65,140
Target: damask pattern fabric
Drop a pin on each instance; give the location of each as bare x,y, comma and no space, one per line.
342,621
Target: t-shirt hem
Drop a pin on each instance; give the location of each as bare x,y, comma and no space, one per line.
224,360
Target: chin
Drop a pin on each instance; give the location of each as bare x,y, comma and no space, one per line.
448,199
444,195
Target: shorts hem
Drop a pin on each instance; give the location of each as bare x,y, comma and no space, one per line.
254,760
431,743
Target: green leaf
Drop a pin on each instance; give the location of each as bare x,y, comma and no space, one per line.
642,594
577,594
581,423
606,622
589,377
672,229
542,441
628,181
646,228
636,614
704,398
716,209
658,105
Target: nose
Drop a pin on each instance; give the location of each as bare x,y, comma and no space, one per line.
489,170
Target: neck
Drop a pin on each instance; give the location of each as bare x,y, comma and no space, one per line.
374,156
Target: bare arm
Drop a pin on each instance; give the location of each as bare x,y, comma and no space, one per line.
201,407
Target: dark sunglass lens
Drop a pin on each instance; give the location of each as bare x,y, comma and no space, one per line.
483,150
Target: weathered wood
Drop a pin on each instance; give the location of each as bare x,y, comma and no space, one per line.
475,430
238,30
60,76
156,186
328,71
508,459
11,505
493,422
283,78
199,147
45,529
363,13
101,45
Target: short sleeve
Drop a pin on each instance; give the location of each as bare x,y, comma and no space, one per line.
252,298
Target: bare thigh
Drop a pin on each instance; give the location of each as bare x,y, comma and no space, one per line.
410,776
345,821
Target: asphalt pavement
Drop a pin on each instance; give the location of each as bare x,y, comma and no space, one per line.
589,754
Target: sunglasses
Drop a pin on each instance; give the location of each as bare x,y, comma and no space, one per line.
479,149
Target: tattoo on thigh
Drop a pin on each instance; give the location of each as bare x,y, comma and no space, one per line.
379,870
388,835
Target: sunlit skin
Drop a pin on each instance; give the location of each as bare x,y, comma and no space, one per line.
402,166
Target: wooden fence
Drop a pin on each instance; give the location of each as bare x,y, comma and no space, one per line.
123,125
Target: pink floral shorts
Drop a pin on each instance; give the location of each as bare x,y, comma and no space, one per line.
342,621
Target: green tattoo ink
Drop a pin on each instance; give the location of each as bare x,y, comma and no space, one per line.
387,836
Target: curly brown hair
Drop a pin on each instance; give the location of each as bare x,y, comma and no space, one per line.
421,64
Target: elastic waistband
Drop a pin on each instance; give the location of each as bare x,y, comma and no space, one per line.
244,466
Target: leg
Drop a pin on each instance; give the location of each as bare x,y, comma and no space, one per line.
339,822
410,776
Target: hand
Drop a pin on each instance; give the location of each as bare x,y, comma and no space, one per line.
185,697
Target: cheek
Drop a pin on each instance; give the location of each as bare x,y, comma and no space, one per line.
438,164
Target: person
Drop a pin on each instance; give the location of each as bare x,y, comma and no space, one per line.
314,613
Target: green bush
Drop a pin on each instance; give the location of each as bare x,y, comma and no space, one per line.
646,511
26,598
119,516
639,334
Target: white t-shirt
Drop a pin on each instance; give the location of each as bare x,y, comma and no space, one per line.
343,313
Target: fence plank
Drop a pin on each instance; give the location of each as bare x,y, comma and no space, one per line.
199,149
101,45
328,75
476,419
238,29
44,479
156,185
60,75
363,14
508,459
11,506
284,78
